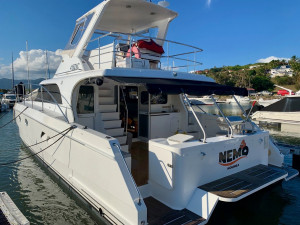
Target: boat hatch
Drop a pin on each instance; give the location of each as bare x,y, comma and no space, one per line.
239,185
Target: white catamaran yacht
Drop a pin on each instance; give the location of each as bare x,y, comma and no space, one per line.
116,126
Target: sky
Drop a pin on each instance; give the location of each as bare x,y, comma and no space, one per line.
231,32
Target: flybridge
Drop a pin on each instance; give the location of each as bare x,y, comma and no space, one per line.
126,34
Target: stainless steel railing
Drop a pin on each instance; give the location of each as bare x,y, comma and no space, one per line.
33,97
177,57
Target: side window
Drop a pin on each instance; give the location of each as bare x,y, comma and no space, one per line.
51,93
77,33
85,103
155,99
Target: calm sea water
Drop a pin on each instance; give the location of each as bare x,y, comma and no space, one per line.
43,201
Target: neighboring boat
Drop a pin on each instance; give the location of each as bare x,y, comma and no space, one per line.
241,99
204,100
104,107
267,102
8,100
285,112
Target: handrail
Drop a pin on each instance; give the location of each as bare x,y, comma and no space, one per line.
225,118
52,97
137,189
242,109
199,123
126,125
120,38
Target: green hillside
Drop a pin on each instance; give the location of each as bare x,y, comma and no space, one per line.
256,75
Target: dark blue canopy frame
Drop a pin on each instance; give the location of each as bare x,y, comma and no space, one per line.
176,86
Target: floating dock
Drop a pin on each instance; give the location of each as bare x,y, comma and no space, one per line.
9,212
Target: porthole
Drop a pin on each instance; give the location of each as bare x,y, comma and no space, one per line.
26,122
20,118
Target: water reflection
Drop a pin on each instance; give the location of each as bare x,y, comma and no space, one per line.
37,195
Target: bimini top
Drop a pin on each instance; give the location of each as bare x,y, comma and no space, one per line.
176,86
288,104
129,16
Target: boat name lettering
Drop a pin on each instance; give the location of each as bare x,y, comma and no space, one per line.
229,157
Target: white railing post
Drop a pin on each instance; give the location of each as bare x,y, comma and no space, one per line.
130,57
225,118
99,52
198,121
42,99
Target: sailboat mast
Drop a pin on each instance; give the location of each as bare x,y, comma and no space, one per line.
29,86
47,66
12,71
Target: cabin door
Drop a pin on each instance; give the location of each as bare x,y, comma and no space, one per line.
85,106
129,109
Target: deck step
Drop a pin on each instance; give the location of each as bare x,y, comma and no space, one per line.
110,116
112,123
105,92
106,100
125,148
122,139
107,108
239,185
158,213
115,132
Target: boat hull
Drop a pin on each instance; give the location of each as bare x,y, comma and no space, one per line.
88,162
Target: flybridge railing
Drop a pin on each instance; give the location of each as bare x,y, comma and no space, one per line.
120,50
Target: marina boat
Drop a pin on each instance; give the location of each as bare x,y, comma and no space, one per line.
204,100
118,129
8,100
267,102
244,100
285,113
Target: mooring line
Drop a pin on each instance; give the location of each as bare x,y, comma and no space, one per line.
22,148
63,135
13,119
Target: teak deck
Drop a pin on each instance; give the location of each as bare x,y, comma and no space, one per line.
243,182
159,214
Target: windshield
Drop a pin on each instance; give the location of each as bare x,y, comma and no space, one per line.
11,97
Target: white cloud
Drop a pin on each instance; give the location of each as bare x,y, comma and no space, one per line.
269,59
37,64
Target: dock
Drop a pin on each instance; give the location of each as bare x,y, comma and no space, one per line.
9,212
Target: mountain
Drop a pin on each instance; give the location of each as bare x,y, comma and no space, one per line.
7,83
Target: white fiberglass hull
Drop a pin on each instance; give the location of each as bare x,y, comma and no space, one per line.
86,161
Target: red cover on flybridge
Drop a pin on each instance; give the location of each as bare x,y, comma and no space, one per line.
150,45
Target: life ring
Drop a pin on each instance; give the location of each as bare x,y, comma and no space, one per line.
134,51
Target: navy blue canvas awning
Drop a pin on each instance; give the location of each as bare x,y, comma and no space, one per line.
176,86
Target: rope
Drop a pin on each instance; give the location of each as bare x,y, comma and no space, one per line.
63,135
13,119
22,148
